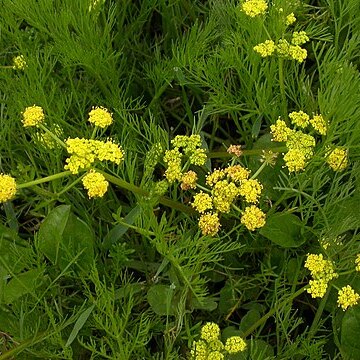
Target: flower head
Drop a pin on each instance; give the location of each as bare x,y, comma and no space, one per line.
297,53
33,115
317,288
210,332
253,218
199,350
188,180
215,355
7,188
235,344
235,150
250,190
279,131
290,19
347,297
209,224
299,118
19,62
237,173
295,160
254,8
319,124
173,160
95,184
224,193
266,48
202,202
299,38
215,176
100,116
337,159
198,157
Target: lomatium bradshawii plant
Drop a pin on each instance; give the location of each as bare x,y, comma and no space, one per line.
209,210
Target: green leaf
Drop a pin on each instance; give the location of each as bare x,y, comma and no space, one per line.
64,238
284,229
350,330
80,322
21,284
248,320
161,300
51,231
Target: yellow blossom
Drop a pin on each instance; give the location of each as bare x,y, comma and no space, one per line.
253,218
215,355
250,190
224,193
299,118
188,180
187,143
290,19
199,350
337,159
95,184
235,344
82,155
303,142
19,62
215,345
202,202
209,224
237,173
295,160
33,115
357,262
266,48
297,53
7,188
279,131
319,124
100,117
173,160
254,8
283,48
347,297
108,151
214,177
210,332
299,38
317,288
198,157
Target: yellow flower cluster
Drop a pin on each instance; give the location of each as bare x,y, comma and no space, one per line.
210,347
300,145
253,218
100,116
337,159
202,202
322,272
299,38
84,152
357,262
254,8
33,116
290,19
250,190
188,180
347,297
7,188
237,173
215,176
95,184
266,48
235,150
183,146
224,193
19,62
209,224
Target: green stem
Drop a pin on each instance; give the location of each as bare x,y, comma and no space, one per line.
94,133
137,190
259,170
44,180
282,86
273,311
54,137
203,188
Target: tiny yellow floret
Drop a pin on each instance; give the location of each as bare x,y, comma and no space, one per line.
347,297
210,332
253,218
33,116
100,116
7,188
95,184
266,48
202,202
235,344
254,8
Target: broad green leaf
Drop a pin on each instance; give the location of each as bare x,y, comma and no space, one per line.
207,304
21,284
80,322
51,232
284,229
161,299
350,330
248,320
